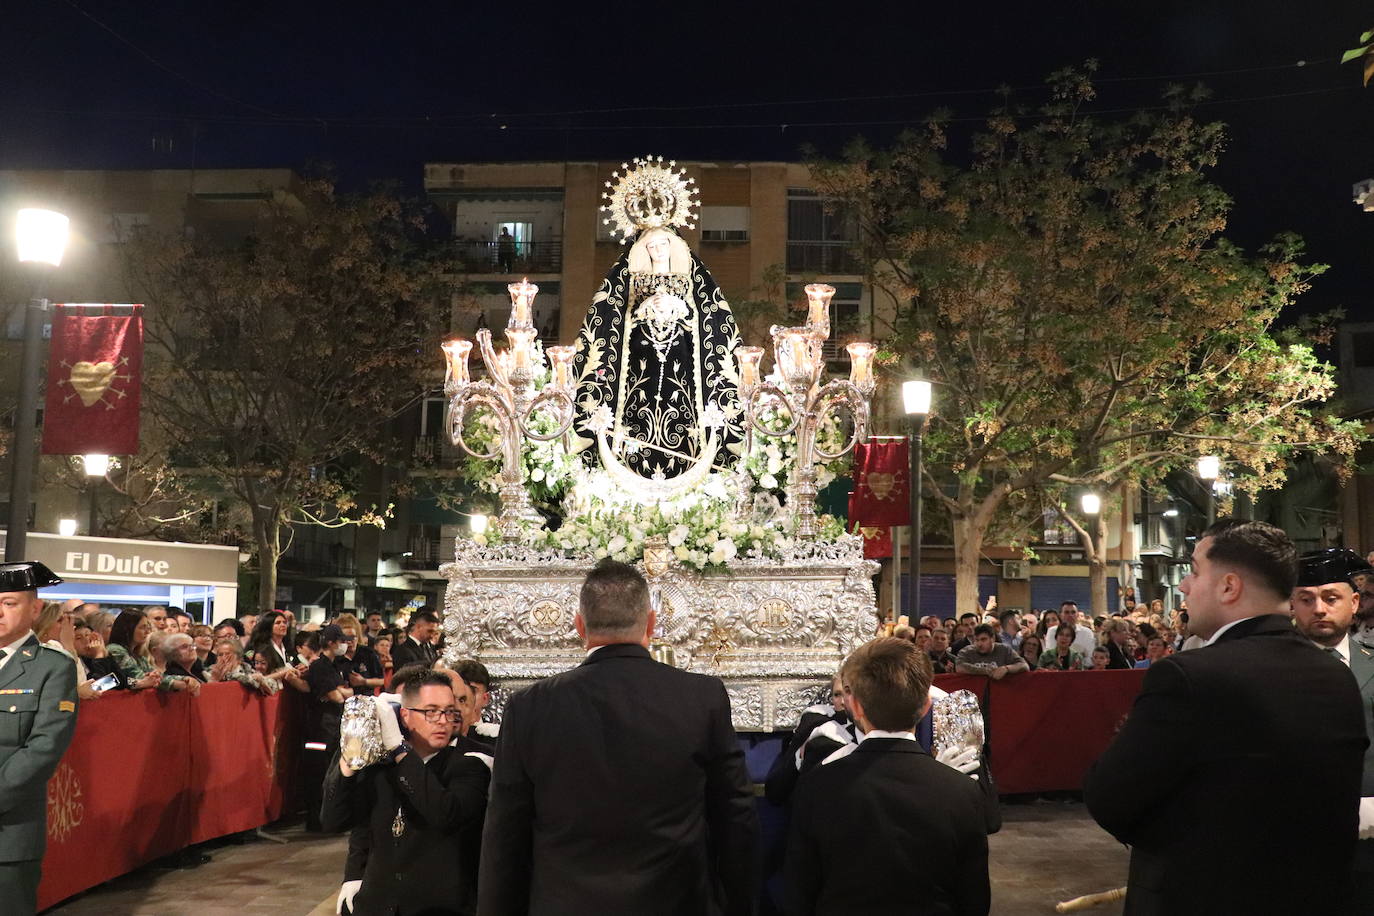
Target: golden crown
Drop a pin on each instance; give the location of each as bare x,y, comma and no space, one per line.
650,195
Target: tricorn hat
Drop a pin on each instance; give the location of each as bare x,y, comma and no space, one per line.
26,577
1334,564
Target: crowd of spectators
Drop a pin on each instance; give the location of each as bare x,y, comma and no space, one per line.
990,644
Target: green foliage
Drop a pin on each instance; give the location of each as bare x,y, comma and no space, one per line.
276,363
1066,287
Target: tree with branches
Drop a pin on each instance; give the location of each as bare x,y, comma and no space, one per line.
275,364
1066,287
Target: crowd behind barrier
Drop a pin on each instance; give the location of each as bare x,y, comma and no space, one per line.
150,773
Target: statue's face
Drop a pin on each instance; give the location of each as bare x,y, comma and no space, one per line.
658,247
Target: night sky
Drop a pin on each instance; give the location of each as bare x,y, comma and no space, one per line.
376,90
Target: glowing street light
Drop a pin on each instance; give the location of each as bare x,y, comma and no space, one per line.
1092,503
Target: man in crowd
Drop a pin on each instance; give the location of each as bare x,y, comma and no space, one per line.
229,628
916,824
619,786
37,719
941,661
418,814
478,679
987,657
1083,639
1236,778
1325,603
923,638
1010,636
178,621
1155,649
373,624
417,648
246,624
969,622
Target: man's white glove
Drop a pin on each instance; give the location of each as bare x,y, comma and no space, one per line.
1366,818
347,891
964,759
391,729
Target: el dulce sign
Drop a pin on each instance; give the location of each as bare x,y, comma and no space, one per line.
120,560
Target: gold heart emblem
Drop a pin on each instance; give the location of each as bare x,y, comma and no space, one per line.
91,380
881,485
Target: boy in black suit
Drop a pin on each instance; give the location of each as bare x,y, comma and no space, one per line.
917,825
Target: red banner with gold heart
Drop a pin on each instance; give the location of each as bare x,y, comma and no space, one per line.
881,484
95,375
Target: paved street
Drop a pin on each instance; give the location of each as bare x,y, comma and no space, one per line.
1046,852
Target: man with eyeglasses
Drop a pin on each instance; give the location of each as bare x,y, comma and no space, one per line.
417,815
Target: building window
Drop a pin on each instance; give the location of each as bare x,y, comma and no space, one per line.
725,224
820,235
1058,532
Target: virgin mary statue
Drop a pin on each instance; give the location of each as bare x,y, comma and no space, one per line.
655,360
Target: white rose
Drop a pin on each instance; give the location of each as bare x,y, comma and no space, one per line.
768,481
681,552
678,535
617,544
537,474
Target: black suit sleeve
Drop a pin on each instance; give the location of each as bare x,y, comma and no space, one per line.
341,799
445,804
803,867
972,891
782,775
1149,758
730,815
359,846
503,884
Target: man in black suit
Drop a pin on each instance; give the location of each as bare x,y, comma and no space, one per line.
619,786
916,825
417,648
1325,603
422,811
1236,778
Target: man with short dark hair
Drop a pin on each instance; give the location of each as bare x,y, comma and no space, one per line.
619,786
1010,635
987,657
229,628
1325,603
941,661
373,624
1083,639
421,809
417,648
917,824
1189,781
37,720
478,679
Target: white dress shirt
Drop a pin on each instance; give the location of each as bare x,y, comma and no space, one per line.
13,648
1217,634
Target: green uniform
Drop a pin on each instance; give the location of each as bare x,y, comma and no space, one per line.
37,719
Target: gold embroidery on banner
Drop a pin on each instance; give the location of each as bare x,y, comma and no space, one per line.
65,808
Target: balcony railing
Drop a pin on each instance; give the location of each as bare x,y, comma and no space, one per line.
822,258
438,452
522,258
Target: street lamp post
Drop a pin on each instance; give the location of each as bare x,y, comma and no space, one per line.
42,236
96,466
916,401
1208,470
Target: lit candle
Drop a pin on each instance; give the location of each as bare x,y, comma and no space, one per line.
457,352
521,303
749,358
561,357
520,345
796,340
861,363
818,311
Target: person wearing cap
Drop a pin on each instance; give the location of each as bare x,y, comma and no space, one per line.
1324,607
1235,779
37,719
323,712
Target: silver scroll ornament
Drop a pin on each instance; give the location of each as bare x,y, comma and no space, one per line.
956,722
360,734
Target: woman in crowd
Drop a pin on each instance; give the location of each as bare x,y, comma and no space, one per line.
360,666
230,666
101,623
129,649
268,646
204,638
1063,657
1032,647
56,629
1047,620
1117,644
323,712
382,647
180,650
1142,635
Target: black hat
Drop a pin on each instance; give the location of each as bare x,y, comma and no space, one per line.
331,632
26,577
1334,564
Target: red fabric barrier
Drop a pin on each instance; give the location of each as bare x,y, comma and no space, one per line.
150,773
1045,728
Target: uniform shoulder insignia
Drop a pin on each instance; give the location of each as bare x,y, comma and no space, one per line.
66,706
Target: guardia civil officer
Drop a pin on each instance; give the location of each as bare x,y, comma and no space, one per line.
37,718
